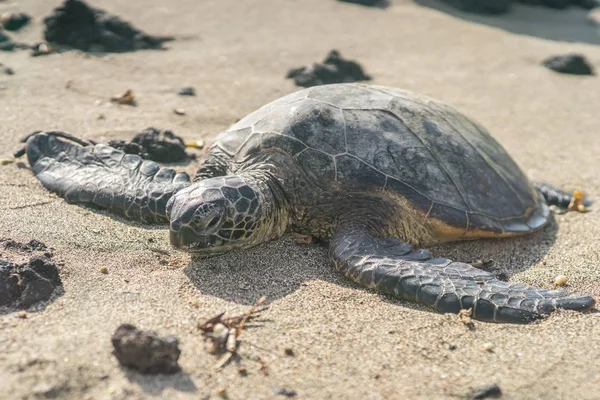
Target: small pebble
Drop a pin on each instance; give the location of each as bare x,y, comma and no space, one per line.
100,116
179,111
22,314
9,71
574,64
186,91
488,347
487,391
242,371
561,280
103,270
289,352
285,392
222,392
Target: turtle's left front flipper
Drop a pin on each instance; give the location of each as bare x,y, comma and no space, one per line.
101,175
392,267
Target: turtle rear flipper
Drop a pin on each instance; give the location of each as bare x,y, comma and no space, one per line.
105,177
392,267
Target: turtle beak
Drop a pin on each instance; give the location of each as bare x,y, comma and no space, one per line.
188,240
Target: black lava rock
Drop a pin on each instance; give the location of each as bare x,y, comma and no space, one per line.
482,6
145,351
334,69
574,64
370,3
24,285
487,391
152,144
77,25
186,91
587,4
14,21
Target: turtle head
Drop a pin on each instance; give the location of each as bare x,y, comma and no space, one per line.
217,215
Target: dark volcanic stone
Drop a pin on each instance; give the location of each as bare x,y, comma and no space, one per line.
186,91
587,4
24,285
32,245
574,64
487,391
334,69
152,144
559,4
15,21
482,6
371,3
145,351
77,25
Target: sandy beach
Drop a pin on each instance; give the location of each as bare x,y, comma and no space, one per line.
348,342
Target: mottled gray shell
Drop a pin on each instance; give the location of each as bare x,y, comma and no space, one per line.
354,137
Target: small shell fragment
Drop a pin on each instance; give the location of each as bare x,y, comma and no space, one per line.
179,111
488,347
231,341
561,280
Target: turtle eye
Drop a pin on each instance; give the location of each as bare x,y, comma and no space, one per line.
213,222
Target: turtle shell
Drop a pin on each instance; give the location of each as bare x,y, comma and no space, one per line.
374,139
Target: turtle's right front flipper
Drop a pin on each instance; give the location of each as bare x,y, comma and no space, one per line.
392,267
101,175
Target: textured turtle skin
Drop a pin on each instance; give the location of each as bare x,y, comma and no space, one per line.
372,170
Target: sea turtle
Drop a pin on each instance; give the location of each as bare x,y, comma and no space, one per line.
372,170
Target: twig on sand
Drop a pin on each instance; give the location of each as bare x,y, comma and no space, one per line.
222,334
39,203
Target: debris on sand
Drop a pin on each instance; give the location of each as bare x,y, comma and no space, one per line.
333,70
77,25
486,392
127,98
186,91
156,145
574,64
221,334
27,284
14,21
145,351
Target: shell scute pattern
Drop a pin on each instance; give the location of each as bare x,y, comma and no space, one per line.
374,139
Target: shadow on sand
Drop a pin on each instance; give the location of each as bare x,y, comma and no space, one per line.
244,276
568,25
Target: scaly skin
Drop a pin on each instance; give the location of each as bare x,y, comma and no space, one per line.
394,268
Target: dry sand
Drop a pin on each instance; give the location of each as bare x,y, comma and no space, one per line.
349,343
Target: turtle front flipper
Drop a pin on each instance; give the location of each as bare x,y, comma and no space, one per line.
103,176
392,267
